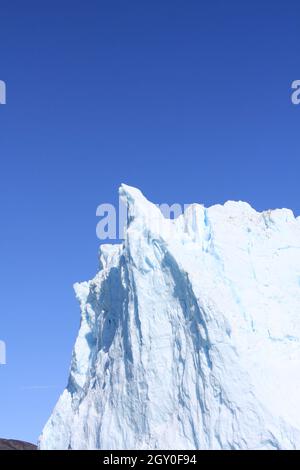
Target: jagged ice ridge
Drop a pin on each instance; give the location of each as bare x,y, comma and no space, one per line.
189,335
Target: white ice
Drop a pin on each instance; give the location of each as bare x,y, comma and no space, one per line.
189,336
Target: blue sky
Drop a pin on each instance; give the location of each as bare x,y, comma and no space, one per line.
188,100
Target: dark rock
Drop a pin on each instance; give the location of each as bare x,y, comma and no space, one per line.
11,444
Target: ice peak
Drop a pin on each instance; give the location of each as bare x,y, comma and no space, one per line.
142,215
131,194
189,335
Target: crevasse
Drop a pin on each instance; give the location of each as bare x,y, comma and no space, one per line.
189,335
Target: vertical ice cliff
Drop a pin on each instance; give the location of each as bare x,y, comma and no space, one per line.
189,336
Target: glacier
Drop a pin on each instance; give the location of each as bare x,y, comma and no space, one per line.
189,335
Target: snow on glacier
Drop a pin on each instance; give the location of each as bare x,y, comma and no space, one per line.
189,335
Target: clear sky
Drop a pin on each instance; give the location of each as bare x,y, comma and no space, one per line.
189,100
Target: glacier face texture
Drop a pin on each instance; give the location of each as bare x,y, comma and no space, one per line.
189,336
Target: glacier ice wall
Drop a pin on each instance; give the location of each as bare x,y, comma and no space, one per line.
189,335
